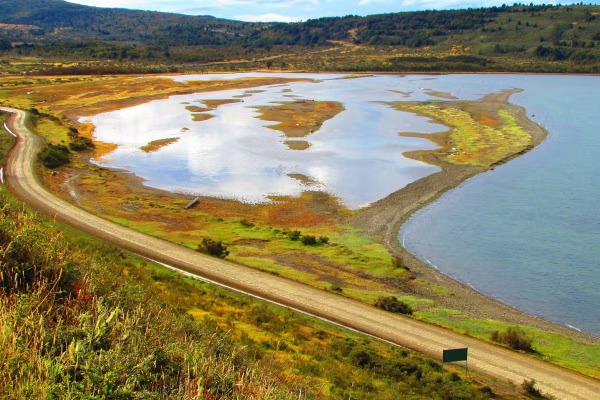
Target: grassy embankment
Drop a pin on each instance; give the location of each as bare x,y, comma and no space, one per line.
6,140
260,236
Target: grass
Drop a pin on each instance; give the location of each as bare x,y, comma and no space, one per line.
156,145
299,118
91,320
549,346
472,141
6,139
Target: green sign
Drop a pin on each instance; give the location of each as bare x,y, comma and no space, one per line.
455,355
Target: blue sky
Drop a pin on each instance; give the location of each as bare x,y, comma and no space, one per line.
295,10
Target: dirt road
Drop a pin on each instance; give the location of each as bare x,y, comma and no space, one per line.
483,357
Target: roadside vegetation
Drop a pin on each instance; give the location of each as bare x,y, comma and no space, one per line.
81,318
6,139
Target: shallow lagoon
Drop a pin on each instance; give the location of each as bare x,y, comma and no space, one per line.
526,233
356,156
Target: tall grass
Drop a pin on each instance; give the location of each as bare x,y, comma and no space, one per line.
68,330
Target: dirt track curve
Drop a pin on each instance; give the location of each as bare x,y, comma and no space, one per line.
483,357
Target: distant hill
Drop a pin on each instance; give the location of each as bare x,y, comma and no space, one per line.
58,20
507,38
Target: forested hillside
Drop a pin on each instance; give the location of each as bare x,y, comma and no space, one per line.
47,21
507,38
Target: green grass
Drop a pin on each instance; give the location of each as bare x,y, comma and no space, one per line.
473,142
551,347
6,139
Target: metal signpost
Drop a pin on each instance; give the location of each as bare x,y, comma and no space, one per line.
453,355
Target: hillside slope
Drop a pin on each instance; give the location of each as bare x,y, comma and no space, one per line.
518,38
57,20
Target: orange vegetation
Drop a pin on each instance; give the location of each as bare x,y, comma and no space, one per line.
156,145
300,118
77,96
197,117
212,104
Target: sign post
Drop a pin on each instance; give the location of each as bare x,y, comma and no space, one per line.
452,355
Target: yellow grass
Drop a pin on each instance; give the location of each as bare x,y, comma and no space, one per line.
300,118
156,145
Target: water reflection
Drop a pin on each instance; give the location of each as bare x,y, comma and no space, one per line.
356,156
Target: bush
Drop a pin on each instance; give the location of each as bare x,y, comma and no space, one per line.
245,223
80,143
363,356
392,304
533,391
294,235
54,156
309,240
336,288
323,240
514,338
213,248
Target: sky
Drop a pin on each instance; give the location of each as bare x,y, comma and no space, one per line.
298,10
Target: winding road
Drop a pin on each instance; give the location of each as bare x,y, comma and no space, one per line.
484,357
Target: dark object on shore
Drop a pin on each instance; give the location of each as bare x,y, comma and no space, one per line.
192,203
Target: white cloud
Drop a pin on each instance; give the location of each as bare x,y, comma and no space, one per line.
369,2
279,10
269,17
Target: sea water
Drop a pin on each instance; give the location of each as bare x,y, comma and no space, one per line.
528,233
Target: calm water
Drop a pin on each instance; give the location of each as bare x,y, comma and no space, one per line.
356,156
527,233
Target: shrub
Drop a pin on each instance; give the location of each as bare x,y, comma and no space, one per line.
532,390
244,222
309,240
213,248
392,304
294,235
514,338
323,240
363,356
336,288
80,143
54,155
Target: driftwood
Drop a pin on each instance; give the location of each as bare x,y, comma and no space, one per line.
192,203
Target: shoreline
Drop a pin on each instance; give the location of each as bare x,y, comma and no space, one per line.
384,219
